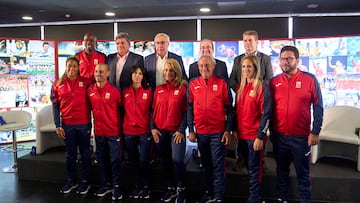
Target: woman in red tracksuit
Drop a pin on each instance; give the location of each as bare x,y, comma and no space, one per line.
137,101
253,111
71,111
168,128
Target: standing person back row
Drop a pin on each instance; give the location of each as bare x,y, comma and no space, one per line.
154,63
207,49
120,63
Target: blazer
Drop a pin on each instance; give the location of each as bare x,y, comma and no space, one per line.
150,66
125,77
220,70
266,71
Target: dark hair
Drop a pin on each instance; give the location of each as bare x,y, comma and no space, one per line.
291,48
123,35
144,81
70,58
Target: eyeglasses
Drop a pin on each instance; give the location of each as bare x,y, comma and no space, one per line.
287,59
161,42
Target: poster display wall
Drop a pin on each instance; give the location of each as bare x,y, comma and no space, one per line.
27,69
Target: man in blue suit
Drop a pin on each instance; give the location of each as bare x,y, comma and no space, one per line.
154,63
207,49
120,63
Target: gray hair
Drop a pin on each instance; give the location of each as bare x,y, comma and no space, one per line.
162,34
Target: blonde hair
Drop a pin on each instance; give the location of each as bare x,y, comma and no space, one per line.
175,66
62,78
257,80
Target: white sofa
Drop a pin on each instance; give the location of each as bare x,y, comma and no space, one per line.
46,131
337,137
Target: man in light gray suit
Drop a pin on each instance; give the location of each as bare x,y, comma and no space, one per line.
250,40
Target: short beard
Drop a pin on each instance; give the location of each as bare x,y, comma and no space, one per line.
291,69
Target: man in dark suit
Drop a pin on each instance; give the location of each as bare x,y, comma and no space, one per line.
250,40
207,49
120,63
154,63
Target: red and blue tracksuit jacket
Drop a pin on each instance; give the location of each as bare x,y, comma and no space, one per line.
137,105
69,99
88,63
292,99
253,113
169,108
106,107
209,106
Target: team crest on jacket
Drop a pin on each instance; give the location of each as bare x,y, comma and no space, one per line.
126,95
96,61
298,84
145,96
215,87
81,84
107,95
176,92
160,91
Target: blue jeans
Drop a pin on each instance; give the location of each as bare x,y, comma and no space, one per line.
253,161
77,135
171,158
212,152
287,149
138,148
109,157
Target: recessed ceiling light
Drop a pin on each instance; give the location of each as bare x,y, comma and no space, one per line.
312,5
110,14
27,18
205,10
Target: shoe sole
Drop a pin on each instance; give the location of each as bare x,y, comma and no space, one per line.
84,192
170,198
103,194
146,197
69,190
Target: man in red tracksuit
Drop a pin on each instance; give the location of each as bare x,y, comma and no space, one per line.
89,57
294,93
210,109
105,101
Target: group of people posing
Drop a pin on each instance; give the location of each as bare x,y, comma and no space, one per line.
137,103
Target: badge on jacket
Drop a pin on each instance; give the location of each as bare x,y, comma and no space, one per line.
215,87
144,96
